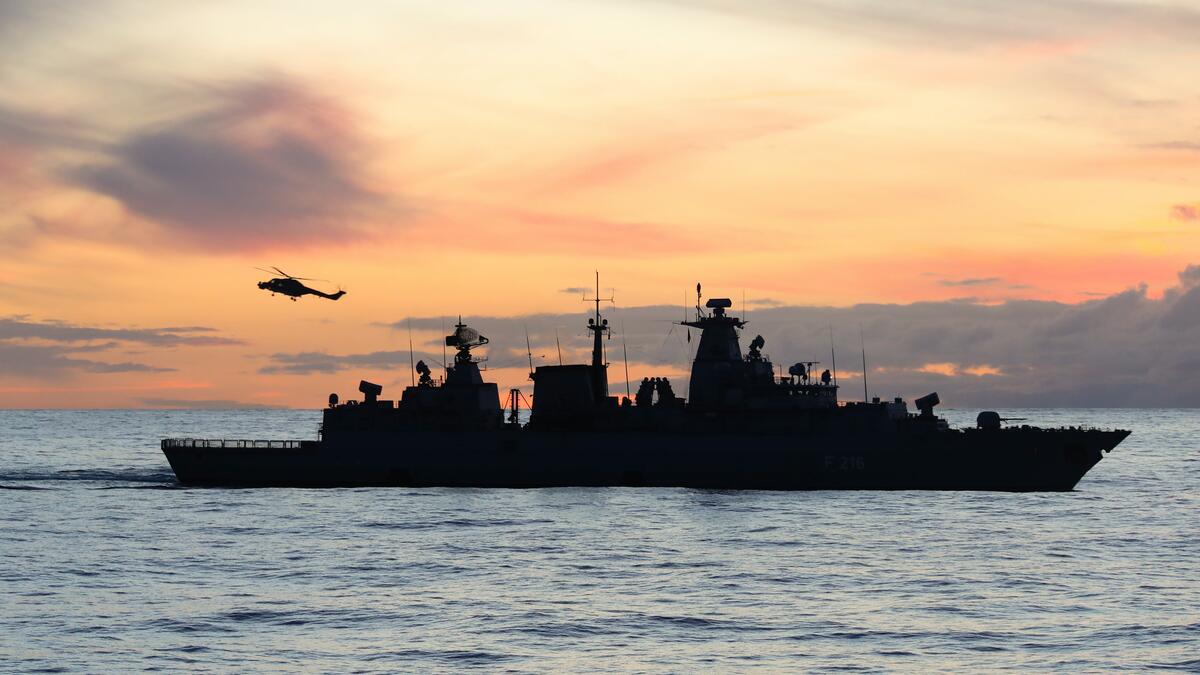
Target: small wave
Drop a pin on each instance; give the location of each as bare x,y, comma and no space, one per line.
264,615
454,522
178,626
500,522
151,486
465,657
683,564
986,648
1190,665
89,475
190,649
687,621
563,630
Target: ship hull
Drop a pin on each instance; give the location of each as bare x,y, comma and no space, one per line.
1006,460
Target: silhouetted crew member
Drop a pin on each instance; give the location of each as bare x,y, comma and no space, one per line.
665,393
645,392
825,376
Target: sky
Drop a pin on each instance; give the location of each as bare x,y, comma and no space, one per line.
1005,198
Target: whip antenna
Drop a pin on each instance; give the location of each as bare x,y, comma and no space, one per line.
529,351
866,398
625,354
412,369
833,354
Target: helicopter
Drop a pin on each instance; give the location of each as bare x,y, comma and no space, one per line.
290,286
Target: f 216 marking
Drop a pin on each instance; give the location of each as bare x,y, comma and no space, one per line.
845,463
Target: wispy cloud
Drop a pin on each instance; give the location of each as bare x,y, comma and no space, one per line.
765,302
970,281
1187,146
45,360
59,331
264,163
641,150
1185,213
306,363
201,404
957,25
52,348
521,230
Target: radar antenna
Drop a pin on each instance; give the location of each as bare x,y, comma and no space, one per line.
464,339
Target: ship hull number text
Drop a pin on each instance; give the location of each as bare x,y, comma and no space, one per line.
845,463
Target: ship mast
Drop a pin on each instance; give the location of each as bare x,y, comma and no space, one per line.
599,328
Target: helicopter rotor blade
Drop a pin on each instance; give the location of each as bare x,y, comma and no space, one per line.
288,276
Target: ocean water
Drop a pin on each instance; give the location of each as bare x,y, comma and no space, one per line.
107,565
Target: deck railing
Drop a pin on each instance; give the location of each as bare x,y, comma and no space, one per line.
227,443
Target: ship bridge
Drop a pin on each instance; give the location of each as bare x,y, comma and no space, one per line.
722,378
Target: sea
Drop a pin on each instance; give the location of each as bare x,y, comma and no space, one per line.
108,565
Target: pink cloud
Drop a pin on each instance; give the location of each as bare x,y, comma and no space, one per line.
508,230
1185,213
659,146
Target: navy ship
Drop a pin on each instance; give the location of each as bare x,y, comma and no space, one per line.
741,426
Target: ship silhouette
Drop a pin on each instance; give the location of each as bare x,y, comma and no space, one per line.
741,426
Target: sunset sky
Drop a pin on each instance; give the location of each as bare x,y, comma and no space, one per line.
1020,166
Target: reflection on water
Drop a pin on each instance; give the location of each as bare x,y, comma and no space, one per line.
106,564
